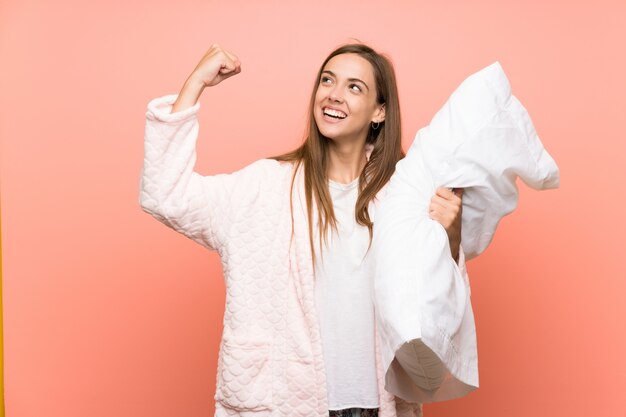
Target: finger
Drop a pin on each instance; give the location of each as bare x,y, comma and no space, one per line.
230,55
435,215
442,211
450,200
445,193
228,75
438,208
234,60
228,64
442,220
230,69
445,220
445,203
443,214
451,194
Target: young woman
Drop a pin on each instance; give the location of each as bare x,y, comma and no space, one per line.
293,234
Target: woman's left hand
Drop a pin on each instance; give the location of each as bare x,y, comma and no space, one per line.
446,208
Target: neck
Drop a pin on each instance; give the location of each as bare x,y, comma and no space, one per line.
346,161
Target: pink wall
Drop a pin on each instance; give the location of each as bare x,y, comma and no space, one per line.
108,313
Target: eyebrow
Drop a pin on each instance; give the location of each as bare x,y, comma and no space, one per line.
349,79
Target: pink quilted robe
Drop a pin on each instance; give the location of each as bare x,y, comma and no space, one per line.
270,361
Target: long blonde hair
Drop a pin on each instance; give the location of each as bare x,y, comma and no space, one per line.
386,152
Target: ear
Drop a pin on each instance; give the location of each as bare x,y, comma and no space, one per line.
379,114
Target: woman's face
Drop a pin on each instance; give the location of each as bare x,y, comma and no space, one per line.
345,100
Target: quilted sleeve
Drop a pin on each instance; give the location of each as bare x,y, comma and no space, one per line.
199,207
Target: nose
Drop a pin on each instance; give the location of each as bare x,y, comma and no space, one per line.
335,95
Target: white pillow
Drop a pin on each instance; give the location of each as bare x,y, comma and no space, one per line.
481,140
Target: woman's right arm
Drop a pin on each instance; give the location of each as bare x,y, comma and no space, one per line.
170,190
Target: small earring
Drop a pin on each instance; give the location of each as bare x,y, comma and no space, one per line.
375,125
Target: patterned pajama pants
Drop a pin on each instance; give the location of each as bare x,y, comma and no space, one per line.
354,412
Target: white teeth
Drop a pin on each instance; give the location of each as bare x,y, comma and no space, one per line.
335,113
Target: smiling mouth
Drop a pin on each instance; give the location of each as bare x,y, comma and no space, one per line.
335,114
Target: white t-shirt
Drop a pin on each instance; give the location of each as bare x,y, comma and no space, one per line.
343,298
